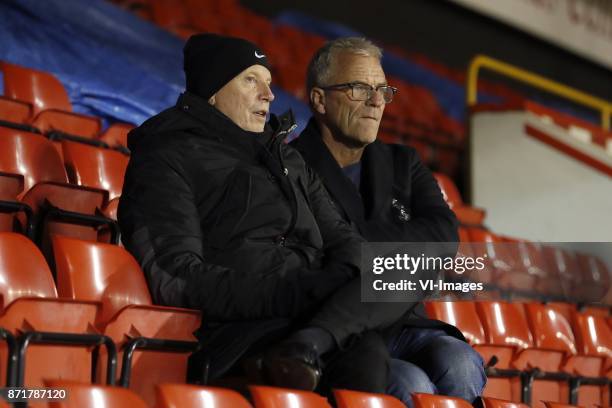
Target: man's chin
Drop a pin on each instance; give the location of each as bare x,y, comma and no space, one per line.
367,138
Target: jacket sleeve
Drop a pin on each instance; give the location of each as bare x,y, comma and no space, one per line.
342,243
431,220
160,224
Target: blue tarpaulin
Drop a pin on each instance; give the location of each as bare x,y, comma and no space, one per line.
112,63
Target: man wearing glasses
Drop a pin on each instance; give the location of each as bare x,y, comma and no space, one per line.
389,196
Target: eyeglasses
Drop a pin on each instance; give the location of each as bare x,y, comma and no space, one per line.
364,92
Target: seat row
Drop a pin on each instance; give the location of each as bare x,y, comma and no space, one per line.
76,193
36,101
100,300
101,292
536,351
58,173
43,192
189,396
522,269
517,268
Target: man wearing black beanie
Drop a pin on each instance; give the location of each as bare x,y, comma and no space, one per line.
226,218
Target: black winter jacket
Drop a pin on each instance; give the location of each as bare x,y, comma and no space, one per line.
391,176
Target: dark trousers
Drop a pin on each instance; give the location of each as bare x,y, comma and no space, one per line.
362,365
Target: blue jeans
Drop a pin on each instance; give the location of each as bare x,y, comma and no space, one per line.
430,361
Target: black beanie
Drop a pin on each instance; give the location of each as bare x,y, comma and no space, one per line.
211,61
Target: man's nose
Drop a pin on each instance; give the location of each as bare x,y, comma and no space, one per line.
376,99
266,93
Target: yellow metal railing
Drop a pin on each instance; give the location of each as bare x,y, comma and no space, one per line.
535,80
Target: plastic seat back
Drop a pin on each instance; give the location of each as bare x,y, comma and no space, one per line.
356,399
116,134
96,167
595,277
30,303
97,271
14,111
169,13
550,329
488,402
534,261
559,405
438,401
449,190
185,396
466,214
593,335
461,314
271,397
564,268
51,107
484,244
31,156
100,272
41,89
23,270
505,324
67,122
95,396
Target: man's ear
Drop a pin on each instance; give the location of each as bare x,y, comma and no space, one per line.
317,100
212,100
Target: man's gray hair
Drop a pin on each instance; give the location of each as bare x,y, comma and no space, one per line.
320,66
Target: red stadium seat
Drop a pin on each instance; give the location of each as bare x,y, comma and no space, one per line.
555,352
507,334
566,310
93,396
50,103
31,156
590,362
356,399
14,111
507,270
34,159
438,401
559,405
466,215
67,122
30,308
271,397
109,274
464,316
565,269
169,13
95,167
534,262
594,338
497,403
461,314
116,134
469,249
39,88
525,276
484,244
547,351
110,210
187,396
595,278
